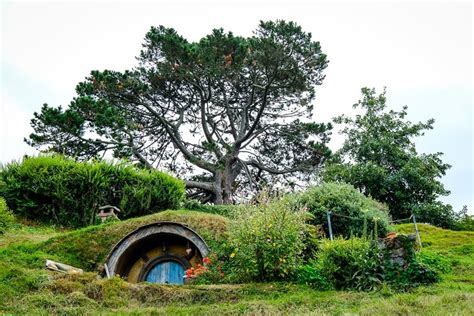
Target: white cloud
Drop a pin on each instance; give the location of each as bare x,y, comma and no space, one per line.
14,126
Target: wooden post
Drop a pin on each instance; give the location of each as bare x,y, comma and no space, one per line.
107,273
330,226
416,230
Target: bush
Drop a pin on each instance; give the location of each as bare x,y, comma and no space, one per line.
6,216
310,274
267,240
413,275
351,264
413,272
59,190
343,201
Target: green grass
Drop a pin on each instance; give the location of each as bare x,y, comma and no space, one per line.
29,289
27,232
456,247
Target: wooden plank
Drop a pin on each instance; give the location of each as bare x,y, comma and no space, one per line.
61,267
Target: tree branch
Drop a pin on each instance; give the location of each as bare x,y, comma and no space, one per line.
260,166
208,186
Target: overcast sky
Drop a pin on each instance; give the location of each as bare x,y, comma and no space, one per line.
421,52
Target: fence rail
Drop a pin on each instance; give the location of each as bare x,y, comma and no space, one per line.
412,218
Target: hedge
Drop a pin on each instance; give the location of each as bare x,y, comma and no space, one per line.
58,190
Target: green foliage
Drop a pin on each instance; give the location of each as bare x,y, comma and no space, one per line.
434,261
464,221
436,213
412,272
362,264
413,275
311,274
211,272
58,190
227,91
267,240
379,158
6,216
351,264
344,200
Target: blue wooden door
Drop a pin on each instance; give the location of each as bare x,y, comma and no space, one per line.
166,272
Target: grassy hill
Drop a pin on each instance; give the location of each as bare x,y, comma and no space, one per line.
29,289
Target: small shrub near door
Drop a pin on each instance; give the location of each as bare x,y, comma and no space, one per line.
353,264
62,191
267,240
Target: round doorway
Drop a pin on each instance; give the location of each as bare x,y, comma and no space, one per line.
158,253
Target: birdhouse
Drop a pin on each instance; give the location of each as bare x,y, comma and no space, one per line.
108,211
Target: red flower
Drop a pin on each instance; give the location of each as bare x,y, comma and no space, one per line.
190,273
206,260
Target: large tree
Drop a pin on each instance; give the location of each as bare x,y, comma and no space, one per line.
227,113
380,158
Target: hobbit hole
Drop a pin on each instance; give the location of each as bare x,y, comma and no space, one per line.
157,253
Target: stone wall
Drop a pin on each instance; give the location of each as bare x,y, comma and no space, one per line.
399,249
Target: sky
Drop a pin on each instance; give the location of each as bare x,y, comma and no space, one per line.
421,52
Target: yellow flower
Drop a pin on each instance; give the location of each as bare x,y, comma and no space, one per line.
232,255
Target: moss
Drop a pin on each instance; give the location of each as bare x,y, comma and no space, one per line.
87,248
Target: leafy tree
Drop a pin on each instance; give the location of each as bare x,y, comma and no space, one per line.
226,113
379,158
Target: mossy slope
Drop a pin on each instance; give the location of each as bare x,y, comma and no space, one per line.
29,289
87,248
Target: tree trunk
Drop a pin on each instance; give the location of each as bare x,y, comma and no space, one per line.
223,185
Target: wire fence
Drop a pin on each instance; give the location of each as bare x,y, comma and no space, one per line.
412,219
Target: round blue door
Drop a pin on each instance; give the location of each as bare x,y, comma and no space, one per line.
169,272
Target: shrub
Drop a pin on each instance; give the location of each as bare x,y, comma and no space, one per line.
344,201
413,275
267,240
6,216
310,274
413,272
59,190
351,264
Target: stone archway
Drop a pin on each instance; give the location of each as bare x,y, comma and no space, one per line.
163,243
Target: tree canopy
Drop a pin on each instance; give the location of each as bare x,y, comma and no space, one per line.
379,157
227,113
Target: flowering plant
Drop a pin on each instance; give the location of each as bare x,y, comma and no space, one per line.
206,272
